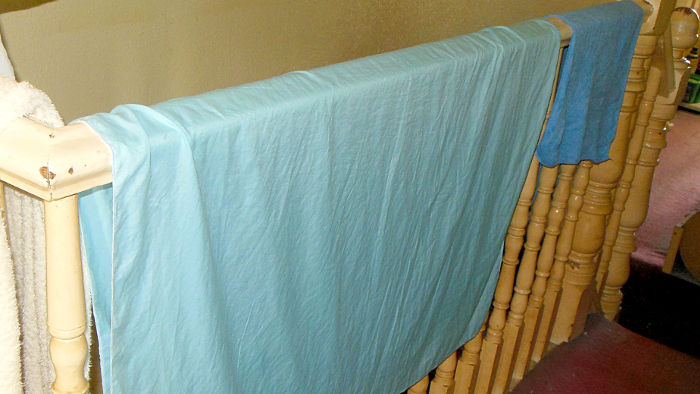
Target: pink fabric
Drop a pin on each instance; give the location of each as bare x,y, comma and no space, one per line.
675,191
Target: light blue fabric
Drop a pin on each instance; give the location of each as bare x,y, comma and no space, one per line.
591,83
335,230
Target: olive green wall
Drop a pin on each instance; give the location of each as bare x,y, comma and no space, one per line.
90,55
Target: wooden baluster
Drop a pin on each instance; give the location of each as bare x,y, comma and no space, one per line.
551,298
646,46
656,15
525,277
421,387
526,271
545,260
443,381
597,204
467,363
588,238
504,287
684,26
65,295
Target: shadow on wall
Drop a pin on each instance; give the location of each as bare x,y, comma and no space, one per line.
15,5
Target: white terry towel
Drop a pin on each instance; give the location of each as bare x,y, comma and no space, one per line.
24,365
10,362
27,258
25,225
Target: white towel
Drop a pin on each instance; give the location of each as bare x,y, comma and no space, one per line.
10,362
25,225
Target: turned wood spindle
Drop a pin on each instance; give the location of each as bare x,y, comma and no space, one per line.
443,381
467,364
684,27
588,238
65,295
525,277
506,279
545,260
561,255
597,205
534,230
646,45
421,387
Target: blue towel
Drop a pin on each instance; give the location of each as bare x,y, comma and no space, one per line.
591,83
335,230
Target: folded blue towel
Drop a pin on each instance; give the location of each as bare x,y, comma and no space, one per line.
335,230
591,83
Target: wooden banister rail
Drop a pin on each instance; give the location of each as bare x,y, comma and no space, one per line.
56,164
552,248
53,163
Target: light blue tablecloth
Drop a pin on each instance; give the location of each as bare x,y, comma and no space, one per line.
335,230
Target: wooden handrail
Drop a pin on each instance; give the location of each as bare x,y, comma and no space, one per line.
55,163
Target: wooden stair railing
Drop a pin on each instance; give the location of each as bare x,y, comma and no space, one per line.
554,244
589,232
545,262
684,27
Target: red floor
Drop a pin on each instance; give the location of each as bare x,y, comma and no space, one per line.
611,359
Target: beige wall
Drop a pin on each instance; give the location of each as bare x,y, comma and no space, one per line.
90,55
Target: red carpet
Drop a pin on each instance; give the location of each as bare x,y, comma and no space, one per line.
611,359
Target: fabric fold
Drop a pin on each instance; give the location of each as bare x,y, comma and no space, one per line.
591,85
333,230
